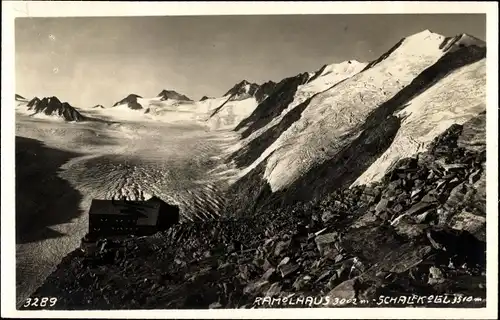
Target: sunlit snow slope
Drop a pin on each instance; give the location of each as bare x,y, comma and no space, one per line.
355,129
323,79
454,99
214,113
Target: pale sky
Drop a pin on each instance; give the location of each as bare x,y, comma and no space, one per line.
97,60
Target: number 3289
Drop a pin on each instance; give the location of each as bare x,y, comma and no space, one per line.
40,302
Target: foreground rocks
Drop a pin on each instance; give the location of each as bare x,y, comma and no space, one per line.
419,232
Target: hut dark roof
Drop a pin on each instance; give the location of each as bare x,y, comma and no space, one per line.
146,212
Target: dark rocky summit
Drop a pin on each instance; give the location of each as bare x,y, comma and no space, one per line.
205,98
265,90
245,89
130,101
54,107
170,94
98,106
419,231
279,97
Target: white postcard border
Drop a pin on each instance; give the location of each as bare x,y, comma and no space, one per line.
13,9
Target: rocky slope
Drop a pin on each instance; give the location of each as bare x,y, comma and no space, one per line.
52,107
419,230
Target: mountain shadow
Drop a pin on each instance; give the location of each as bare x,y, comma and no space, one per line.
273,105
384,56
251,152
43,199
257,146
219,108
265,90
336,173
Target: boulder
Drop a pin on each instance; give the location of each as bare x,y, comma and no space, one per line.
469,222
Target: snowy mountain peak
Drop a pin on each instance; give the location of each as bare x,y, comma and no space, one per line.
52,99
423,34
421,43
245,83
457,42
130,101
170,94
243,88
205,98
52,107
133,96
424,46
428,43
265,90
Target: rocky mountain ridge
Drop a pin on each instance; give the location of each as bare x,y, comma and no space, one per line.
170,94
53,107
